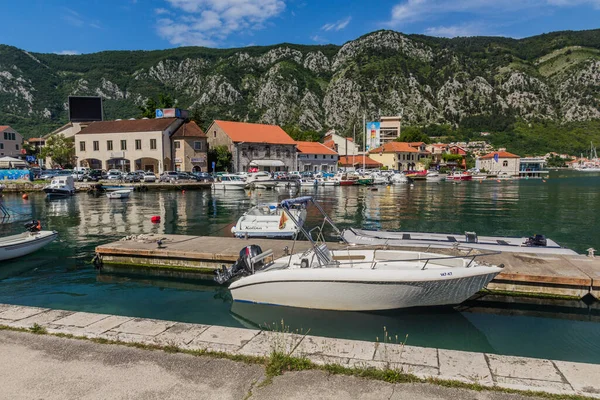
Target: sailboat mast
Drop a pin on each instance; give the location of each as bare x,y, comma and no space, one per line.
365,141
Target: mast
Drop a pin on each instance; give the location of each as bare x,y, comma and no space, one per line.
346,151
365,141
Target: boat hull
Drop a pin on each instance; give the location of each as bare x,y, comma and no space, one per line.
343,290
22,245
54,193
224,186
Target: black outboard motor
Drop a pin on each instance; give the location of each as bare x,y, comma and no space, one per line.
241,267
33,226
537,240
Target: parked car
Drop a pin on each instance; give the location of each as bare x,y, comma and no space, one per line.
78,175
131,177
92,176
114,175
169,176
184,176
48,174
203,176
149,177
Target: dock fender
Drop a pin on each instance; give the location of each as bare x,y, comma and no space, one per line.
97,261
501,266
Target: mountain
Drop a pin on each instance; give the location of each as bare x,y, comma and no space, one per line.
552,77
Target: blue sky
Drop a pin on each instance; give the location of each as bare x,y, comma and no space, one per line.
85,26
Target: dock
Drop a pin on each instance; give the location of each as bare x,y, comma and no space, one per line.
571,276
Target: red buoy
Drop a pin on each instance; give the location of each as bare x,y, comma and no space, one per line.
155,219
25,196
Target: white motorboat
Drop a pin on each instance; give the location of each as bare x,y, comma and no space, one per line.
60,186
25,243
115,188
229,182
260,180
118,194
353,279
435,176
399,178
537,244
307,182
269,220
478,177
459,177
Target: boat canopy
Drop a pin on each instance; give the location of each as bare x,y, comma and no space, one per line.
297,200
267,163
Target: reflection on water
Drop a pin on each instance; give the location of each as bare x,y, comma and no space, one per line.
564,208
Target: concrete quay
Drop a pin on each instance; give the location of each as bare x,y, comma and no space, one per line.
539,275
490,370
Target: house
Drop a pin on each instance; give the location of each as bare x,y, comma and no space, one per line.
315,157
127,145
499,163
11,142
396,155
352,163
340,144
190,148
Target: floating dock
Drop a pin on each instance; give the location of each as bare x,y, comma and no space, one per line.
574,276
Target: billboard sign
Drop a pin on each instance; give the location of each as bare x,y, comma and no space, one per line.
171,113
85,108
373,135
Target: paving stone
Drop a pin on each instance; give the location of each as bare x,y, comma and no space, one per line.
225,335
141,326
106,324
16,313
180,334
584,378
397,353
421,371
42,318
80,319
523,368
321,359
126,337
366,364
535,385
266,342
357,349
4,307
211,346
464,366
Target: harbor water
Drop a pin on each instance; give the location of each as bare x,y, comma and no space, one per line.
564,207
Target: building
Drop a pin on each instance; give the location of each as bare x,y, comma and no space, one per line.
352,163
499,163
266,147
11,142
532,167
397,155
127,145
190,148
390,129
341,145
315,157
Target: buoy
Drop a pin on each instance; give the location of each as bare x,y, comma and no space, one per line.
25,196
183,191
498,180
155,219
543,180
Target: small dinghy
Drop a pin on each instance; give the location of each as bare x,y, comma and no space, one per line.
119,194
25,243
352,279
269,220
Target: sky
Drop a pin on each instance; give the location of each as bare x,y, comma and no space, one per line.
87,26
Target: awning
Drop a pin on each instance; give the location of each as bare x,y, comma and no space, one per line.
266,163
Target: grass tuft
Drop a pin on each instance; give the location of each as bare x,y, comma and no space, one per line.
38,329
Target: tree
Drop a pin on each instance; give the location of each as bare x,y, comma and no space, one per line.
148,110
221,156
298,134
60,149
413,134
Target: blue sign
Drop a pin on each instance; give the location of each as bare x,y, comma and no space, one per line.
214,164
159,113
30,159
496,157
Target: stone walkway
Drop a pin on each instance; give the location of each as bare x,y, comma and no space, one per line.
486,369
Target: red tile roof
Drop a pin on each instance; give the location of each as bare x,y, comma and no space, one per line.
358,160
3,127
501,154
314,148
330,144
416,144
395,147
254,133
189,129
125,126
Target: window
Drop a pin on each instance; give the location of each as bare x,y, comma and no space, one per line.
109,145
214,133
267,151
12,136
288,154
244,154
96,145
5,135
332,156
324,156
17,146
123,144
505,163
1,146
197,146
138,144
81,146
177,144
278,152
152,144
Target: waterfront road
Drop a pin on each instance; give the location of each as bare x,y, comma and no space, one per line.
50,367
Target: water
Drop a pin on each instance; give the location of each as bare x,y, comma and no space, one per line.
564,208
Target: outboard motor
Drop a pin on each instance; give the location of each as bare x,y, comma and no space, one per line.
537,240
241,267
33,226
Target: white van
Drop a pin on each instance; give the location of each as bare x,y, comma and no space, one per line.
83,169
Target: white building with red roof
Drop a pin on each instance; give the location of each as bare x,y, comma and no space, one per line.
316,157
266,147
499,163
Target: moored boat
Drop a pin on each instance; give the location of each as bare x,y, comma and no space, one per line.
229,182
417,175
118,194
269,220
25,243
459,177
60,186
260,180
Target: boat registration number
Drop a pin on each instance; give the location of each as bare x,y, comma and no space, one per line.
446,274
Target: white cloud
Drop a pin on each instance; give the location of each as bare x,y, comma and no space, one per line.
72,17
455,30
210,22
318,39
409,11
67,52
161,11
338,25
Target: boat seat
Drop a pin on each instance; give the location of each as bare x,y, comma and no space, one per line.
451,239
406,236
503,242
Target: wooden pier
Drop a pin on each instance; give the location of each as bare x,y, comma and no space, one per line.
537,275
